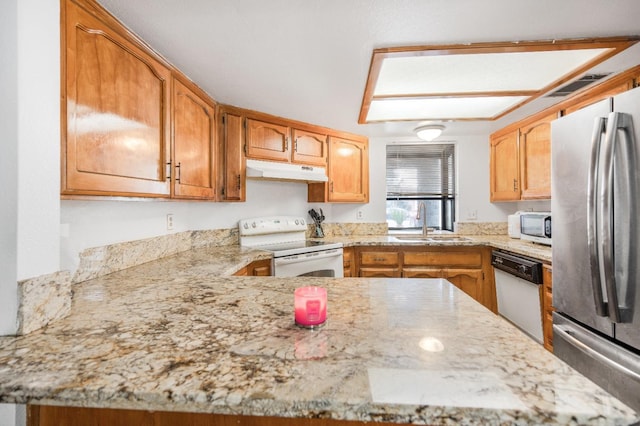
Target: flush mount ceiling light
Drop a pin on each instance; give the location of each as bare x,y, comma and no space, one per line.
429,132
476,81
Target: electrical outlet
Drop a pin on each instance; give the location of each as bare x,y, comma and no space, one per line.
472,215
169,222
359,214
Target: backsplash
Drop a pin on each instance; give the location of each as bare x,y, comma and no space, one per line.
349,229
47,298
43,299
481,228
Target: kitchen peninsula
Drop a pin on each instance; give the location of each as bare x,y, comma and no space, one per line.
175,335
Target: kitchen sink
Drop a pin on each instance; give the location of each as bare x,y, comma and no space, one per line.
432,238
448,238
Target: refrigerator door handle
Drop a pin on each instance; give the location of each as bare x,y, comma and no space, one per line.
593,240
625,164
597,350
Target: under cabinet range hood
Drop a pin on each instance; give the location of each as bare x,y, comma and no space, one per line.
285,171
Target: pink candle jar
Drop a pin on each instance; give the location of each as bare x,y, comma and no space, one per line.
310,306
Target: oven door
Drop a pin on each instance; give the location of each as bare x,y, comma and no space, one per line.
325,263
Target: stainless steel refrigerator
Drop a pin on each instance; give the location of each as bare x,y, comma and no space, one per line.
595,200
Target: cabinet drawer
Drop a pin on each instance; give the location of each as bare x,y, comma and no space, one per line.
379,258
446,258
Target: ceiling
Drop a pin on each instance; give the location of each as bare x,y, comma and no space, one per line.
309,60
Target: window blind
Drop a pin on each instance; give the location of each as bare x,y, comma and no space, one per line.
426,170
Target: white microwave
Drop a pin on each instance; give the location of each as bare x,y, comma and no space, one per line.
536,227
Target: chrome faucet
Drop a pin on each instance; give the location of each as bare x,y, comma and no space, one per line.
422,207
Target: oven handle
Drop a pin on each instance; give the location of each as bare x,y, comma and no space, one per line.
304,257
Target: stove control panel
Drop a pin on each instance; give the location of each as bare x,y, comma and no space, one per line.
271,225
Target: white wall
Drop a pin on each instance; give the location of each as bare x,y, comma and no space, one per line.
97,223
8,166
38,137
29,164
8,177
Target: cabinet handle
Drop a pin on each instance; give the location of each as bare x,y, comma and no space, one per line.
331,187
286,144
178,173
295,145
238,182
168,170
515,184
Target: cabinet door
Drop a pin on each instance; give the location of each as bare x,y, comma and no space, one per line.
348,171
116,125
260,268
504,165
347,260
445,257
547,308
422,273
193,144
535,159
233,170
267,141
467,280
309,148
379,272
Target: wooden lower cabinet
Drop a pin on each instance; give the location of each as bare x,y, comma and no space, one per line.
378,262
546,299
380,272
258,268
471,281
45,415
468,268
422,273
347,260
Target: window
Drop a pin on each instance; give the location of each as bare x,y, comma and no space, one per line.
417,174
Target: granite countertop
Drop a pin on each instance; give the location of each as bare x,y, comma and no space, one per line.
526,248
173,334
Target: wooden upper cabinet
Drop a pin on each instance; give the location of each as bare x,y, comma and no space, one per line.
520,164
535,159
267,141
348,170
309,148
115,131
193,128
232,175
505,165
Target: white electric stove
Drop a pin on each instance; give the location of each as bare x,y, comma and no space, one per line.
293,254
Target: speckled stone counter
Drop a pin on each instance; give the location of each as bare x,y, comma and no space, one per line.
526,248
174,335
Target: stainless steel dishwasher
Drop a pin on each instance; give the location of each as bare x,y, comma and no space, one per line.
518,280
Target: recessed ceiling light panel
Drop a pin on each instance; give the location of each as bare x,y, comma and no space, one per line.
473,108
482,81
488,72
